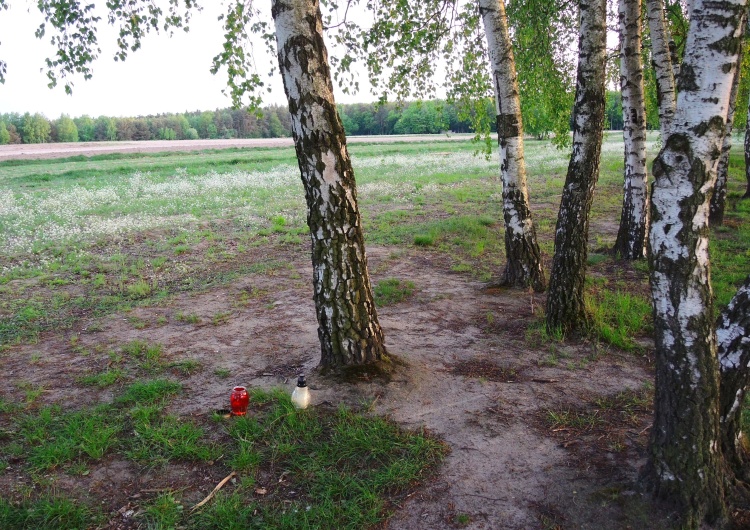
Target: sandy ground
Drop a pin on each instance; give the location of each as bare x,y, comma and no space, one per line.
62,150
506,469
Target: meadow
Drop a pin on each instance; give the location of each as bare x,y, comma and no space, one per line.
141,239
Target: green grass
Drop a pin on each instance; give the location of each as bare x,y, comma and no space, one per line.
338,468
619,318
49,512
392,291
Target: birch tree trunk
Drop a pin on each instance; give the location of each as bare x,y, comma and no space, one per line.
719,198
685,464
348,326
747,155
524,263
733,338
631,237
565,303
661,60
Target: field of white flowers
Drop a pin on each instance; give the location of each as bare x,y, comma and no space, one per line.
85,210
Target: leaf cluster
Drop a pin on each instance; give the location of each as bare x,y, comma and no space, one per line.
243,81
406,42
73,27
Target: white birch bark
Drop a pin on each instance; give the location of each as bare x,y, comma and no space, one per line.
719,198
661,60
566,307
733,338
631,238
685,462
524,264
348,327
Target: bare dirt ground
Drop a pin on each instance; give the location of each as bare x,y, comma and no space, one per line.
63,150
472,375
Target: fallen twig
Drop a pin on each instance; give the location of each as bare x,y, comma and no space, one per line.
217,488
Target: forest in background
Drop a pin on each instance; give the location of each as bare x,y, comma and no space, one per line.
429,117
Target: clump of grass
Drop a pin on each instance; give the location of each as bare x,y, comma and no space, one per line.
53,513
424,240
54,438
164,512
618,317
187,367
149,356
188,318
103,379
149,391
138,290
392,291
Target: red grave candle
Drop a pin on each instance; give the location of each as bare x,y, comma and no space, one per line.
239,400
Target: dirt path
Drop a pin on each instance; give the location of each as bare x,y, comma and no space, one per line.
63,150
472,376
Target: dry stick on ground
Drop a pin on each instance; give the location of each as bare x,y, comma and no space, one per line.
217,488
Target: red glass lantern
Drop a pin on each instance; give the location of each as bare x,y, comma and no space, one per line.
239,400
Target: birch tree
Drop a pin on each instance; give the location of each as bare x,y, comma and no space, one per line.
348,326
661,60
685,463
401,49
565,304
719,197
631,236
733,338
347,321
524,262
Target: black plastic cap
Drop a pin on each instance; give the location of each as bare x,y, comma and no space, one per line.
301,381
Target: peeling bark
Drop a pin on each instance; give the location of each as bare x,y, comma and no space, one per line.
524,263
719,198
348,326
631,236
733,338
685,464
565,303
661,60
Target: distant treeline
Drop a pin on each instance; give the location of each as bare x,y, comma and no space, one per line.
430,117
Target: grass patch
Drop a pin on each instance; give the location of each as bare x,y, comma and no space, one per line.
50,513
618,318
338,468
392,291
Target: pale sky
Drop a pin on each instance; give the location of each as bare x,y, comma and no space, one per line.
165,75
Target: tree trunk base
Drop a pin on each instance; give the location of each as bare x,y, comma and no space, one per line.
381,371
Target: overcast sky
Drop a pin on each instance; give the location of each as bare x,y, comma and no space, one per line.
165,75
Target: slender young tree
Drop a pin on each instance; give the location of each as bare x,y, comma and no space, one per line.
719,198
632,234
661,60
347,321
565,304
524,263
401,48
685,464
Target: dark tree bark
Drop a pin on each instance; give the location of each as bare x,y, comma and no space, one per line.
524,262
719,198
565,304
747,155
685,464
631,236
733,338
348,326
662,63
